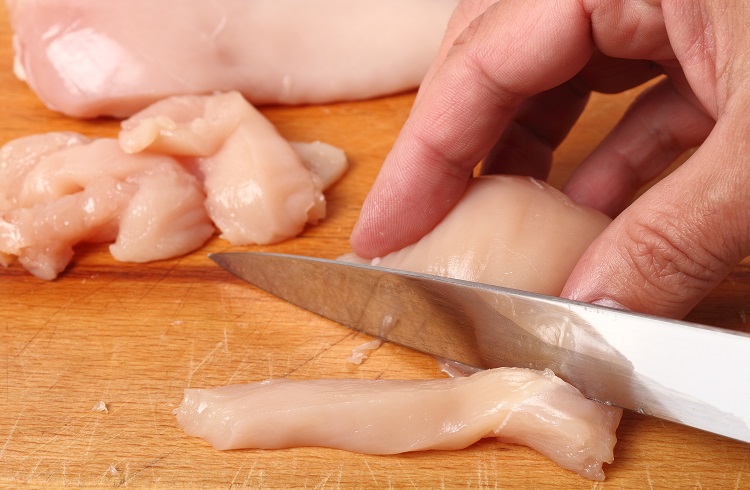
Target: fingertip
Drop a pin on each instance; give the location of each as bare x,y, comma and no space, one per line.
387,219
363,238
610,303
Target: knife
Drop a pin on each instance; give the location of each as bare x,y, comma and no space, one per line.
687,373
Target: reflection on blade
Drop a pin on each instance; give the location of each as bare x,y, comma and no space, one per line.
686,373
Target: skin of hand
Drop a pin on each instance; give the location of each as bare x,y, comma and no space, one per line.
512,77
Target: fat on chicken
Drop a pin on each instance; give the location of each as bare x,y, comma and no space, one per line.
86,58
519,406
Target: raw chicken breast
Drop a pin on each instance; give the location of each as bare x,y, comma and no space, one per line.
42,236
165,218
259,189
87,58
519,406
509,231
327,163
176,166
68,189
19,156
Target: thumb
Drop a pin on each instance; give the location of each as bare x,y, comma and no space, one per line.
679,240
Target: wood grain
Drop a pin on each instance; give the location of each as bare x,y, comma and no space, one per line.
135,335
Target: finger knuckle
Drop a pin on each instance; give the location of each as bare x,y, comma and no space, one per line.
673,262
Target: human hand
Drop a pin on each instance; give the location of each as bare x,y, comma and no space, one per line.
511,79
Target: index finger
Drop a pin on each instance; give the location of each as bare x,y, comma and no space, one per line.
464,13
515,49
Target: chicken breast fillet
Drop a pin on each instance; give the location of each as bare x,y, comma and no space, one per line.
88,59
509,231
519,406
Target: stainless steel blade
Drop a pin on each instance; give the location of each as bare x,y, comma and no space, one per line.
683,372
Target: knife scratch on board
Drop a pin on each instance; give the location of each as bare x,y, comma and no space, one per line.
648,478
325,478
206,359
323,349
372,473
390,360
28,342
483,476
241,466
33,470
61,433
150,465
91,439
404,473
737,481
10,436
240,366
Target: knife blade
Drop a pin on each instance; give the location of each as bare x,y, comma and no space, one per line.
692,374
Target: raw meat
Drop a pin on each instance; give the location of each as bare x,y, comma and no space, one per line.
68,189
259,190
509,231
176,166
87,58
17,158
362,351
519,406
326,162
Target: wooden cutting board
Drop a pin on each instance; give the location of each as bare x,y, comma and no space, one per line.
135,335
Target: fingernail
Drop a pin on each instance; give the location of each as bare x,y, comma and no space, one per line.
609,303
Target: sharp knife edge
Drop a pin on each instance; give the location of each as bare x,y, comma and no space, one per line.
691,374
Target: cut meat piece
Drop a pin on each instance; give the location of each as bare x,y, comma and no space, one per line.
69,190
42,236
259,190
87,58
326,162
59,189
19,156
520,406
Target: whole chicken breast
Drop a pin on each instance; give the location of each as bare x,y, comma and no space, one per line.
88,58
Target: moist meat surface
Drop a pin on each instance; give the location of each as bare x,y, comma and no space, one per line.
520,406
179,168
508,231
87,58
